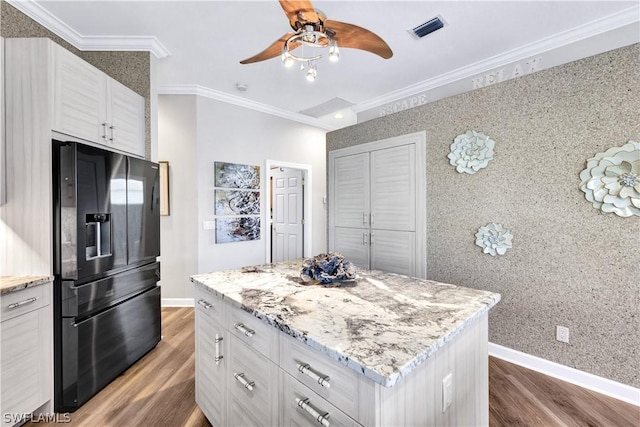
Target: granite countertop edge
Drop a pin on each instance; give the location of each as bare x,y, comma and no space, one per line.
10,284
386,381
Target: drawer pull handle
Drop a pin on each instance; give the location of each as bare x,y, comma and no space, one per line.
247,384
248,332
323,380
205,304
320,418
218,357
21,303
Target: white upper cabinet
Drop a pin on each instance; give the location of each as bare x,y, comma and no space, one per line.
79,97
91,105
126,118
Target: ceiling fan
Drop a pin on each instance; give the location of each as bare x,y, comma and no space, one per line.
312,28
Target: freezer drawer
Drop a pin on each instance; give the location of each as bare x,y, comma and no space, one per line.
80,301
98,349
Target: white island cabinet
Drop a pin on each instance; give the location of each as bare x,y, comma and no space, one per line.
382,350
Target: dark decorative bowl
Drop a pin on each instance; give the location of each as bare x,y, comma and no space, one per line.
329,268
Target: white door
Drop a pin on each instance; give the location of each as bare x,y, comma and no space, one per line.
287,226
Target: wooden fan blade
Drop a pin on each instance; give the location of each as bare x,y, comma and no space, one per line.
297,10
349,35
275,49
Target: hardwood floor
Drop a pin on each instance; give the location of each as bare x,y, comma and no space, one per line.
522,397
160,391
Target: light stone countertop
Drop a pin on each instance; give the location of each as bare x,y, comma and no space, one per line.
381,325
10,284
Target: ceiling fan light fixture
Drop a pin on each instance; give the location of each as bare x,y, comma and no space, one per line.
287,60
312,73
334,52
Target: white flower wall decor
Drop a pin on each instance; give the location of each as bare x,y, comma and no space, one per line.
494,239
611,181
471,151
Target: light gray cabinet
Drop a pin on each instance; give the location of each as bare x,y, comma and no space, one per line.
26,352
376,208
91,105
211,363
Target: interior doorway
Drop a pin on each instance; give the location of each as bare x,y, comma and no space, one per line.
289,213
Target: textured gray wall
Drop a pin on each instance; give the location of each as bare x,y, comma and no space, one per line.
570,265
129,68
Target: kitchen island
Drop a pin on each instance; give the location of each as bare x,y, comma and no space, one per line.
382,349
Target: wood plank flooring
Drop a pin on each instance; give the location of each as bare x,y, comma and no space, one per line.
160,391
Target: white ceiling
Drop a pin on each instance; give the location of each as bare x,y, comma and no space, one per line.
207,39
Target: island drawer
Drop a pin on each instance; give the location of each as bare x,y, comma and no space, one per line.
252,381
336,383
23,301
254,332
303,407
209,304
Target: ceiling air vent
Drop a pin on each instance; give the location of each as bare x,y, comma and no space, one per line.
427,28
328,107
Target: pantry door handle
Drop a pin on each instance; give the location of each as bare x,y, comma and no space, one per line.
242,380
320,418
323,380
205,304
246,331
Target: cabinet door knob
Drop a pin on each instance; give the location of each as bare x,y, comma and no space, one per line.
306,369
320,418
242,328
242,380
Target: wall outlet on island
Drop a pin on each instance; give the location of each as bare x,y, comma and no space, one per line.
562,334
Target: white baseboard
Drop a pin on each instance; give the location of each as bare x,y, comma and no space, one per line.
583,379
177,302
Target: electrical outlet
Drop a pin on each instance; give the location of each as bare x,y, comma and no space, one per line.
447,392
562,334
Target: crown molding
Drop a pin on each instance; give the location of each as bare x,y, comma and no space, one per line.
206,92
612,22
109,43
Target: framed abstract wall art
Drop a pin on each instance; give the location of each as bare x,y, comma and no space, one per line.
237,229
233,175
236,202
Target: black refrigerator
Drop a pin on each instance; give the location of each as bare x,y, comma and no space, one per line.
106,240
